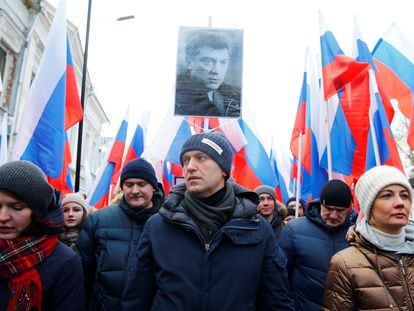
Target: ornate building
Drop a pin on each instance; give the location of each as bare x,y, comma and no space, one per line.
24,27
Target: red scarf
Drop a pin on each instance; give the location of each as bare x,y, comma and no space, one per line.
18,258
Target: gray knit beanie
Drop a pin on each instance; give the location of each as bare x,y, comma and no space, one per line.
27,181
215,145
376,179
266,189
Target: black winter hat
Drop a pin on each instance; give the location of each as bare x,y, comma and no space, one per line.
336,193
139,168
215,145
27,181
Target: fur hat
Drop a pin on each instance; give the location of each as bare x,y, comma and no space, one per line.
266,189
215,145
77,198
27,181
139,168
336,193
376,179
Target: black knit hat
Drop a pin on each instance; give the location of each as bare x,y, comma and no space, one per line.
215,145
336,193
139,168
266,189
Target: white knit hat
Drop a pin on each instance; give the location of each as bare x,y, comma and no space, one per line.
376,179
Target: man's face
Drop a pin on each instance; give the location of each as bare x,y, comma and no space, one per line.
202,175
266,205
209,66
292,205
138,192
334,216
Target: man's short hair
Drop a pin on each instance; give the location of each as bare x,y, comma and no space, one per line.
213,39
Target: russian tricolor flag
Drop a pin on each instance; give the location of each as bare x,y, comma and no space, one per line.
280,167
172,164
394,58
251,164
307,137
381,146
136,147
42,138
337,69
100,193
338,73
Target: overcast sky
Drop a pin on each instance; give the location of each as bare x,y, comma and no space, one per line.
134,61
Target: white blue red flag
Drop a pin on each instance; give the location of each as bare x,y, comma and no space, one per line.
52,106
100,194
394,58
251,164
308,138
339,74
381,145
280,165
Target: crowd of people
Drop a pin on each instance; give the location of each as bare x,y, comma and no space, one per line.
210,245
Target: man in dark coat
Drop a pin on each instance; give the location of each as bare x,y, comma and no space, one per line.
111,234
267,208
201,91
309,243
207,249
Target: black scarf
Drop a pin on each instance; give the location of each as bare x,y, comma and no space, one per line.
210,218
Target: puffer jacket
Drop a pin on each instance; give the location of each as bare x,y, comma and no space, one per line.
309,245
105,245
240,269
363,277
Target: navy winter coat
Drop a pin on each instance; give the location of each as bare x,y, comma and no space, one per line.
309,245
240,269
62,282
105,244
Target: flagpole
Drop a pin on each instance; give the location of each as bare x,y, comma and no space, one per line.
298,176
371,121
80,126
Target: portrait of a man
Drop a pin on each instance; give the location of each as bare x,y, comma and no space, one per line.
209,68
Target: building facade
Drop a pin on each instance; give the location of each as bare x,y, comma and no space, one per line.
24,27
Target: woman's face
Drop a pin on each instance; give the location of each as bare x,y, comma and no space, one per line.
15,216
73,214
391,209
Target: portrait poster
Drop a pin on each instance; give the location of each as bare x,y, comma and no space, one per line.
209,72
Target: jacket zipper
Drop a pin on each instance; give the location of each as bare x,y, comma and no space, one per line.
407,288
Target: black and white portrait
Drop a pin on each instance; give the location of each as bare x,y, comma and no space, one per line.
209,72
